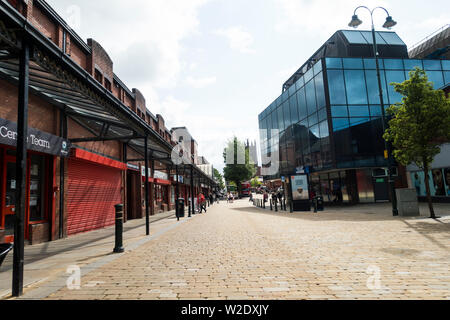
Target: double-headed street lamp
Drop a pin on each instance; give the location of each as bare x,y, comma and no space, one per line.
388,154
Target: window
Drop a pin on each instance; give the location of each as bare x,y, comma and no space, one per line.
394,77
373,88
432,64
293,109
352,63
323,127
356,87
334,63
369,37
274,120
37,190
311,97
358,111
336,87
280,119
317,67
339,111
301,101
393,64
98,76
436,78
340,124
108,85
287,115
320,91
411,64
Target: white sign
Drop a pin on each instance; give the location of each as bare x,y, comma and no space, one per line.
160,175
300,187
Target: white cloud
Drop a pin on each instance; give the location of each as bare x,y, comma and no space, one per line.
239,39
142,37
320,17
199,83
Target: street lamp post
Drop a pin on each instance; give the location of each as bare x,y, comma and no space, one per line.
388,152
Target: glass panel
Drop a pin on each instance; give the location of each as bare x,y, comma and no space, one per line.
370,64
354,37
317,67
447,77
391,38
37,175
284,97
320,91
291,90
334,63
311,97
340,124
336,87
369,37
445,64
339,111
313,119
358,111
324,132
274,120
410,64
375,111
373,89
293,109
395,64
323,114
352,63
356,87
308,75
300,83
280,119
287,115
436,78
301,100
357,121
394,77
432,64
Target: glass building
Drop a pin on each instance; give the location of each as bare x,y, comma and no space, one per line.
329,115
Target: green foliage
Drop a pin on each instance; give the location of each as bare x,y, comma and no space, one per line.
235,171
420,123
219,179
255,182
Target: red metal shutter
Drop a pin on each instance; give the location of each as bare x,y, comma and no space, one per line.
93,190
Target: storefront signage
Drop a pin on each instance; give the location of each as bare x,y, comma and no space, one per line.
143,172
133,167
37,140
300,187
160,175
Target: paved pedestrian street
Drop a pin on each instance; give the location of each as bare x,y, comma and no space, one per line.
237,251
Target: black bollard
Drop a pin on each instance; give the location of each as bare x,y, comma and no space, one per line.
284,204
119,229
315,205
264,203
271,207
276,206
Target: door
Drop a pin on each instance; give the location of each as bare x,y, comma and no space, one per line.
9,200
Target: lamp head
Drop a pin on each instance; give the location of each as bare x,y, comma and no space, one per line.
355,22
389,23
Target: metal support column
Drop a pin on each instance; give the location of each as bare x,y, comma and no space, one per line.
177,194
21,170
192,190
62,172
147,214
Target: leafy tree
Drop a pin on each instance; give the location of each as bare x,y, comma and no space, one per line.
219,179
238,165
420,124
255,182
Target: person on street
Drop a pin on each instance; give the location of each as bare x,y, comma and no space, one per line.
202,202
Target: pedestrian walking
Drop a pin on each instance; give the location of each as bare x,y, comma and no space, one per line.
201,202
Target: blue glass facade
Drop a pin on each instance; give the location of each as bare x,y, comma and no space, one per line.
331,117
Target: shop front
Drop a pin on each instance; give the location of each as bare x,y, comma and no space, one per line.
43,148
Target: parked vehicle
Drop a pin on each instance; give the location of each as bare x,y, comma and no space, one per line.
245,189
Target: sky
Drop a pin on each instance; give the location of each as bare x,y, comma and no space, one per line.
214,65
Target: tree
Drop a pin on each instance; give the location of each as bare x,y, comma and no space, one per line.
238,165
420,124
219,179
255,182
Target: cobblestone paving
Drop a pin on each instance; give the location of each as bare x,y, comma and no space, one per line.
235,251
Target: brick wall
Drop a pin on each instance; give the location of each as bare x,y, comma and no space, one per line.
39,233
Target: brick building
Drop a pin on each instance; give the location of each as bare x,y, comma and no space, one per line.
90,138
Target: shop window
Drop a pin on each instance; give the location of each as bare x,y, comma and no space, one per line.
37,190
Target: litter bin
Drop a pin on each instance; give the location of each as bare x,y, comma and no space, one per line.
4,249
180,208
